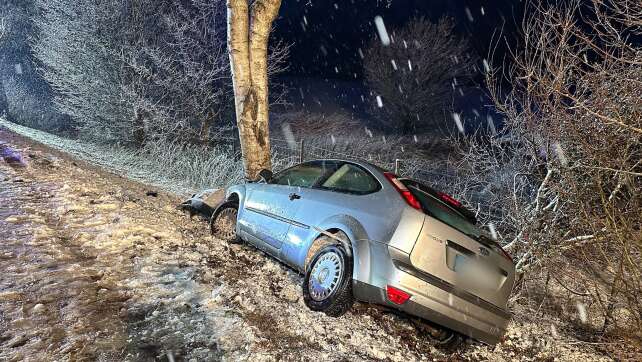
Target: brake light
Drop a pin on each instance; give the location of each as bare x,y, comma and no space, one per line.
396,296
449,199
403,190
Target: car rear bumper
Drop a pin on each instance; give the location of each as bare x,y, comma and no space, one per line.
435,301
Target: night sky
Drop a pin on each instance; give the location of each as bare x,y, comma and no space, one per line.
327,34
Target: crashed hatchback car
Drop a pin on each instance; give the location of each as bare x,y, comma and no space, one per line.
358,232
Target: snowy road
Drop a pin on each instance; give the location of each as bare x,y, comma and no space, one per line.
94,269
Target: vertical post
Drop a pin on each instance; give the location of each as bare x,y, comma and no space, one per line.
397,164
301,152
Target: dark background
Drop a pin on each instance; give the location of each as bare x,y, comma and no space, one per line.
342,27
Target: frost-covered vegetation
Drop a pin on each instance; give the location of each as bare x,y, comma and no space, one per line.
562,183
416,76
179,168
139,71
24,95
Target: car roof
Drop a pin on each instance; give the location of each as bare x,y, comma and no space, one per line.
469,214
359,162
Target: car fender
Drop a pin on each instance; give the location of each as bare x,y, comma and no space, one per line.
237,191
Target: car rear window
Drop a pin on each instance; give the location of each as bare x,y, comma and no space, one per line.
439,209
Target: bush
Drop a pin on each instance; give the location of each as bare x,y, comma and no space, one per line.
566,176
416,74
24,96
139,71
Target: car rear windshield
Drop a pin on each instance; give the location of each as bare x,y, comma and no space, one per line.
439,209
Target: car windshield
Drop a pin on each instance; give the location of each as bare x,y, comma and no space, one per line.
437,208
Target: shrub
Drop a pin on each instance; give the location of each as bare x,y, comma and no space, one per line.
139,71
566,176
414,75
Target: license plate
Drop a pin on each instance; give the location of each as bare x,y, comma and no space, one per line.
475,273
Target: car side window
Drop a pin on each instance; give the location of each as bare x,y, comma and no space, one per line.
352,179
303,175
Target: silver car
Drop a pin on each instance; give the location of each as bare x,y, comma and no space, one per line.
358,232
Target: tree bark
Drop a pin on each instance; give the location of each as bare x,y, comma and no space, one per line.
138,127
206,124
248,33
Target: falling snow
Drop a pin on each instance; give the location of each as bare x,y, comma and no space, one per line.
457,118
491,124
493,232
469,14
379,102
559,152
381,29
486,66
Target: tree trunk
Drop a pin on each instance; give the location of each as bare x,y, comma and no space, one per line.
248,32
206,124
138,127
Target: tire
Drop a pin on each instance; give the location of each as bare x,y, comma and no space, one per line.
223,222
320,293
440,336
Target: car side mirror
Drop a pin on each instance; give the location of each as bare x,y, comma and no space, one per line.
265,175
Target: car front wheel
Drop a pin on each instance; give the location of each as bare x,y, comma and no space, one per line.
327,286
223,222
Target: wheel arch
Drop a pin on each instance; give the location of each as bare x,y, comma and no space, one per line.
356,243
235,193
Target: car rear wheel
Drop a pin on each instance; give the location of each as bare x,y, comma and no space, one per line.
441,337
223,222
327,286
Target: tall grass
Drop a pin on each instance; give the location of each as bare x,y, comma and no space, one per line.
176,168
184,169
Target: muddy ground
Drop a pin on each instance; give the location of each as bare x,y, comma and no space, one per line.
96,267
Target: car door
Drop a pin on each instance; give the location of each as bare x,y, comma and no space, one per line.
270,207
350,191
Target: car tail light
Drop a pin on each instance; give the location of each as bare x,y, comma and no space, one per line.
403,190
449,199
396,296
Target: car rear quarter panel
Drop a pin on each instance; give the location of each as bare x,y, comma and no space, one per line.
295,254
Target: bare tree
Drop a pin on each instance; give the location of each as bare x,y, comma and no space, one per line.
415,75
139,71
248,34
564,178
23,95
176,70
77,44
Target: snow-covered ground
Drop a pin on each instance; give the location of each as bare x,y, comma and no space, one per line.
94,269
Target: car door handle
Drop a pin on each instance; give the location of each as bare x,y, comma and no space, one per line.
294,196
